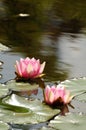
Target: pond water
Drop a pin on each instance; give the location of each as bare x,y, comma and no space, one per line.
50,30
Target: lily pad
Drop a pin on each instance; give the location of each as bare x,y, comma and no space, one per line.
3,90
76,86
81,97
4,126
36,111
20,86
3,47
70,121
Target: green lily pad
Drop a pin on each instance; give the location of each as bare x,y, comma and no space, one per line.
3,126
81,97
76,86
70,121
20,86
36,110
3,90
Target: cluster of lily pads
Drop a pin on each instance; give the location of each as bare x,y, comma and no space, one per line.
27,99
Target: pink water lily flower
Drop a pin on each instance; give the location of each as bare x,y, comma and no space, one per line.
56,95
29,68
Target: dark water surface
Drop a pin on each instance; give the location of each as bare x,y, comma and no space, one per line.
51,30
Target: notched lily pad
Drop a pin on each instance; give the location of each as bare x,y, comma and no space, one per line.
70,121
37,111
76,86
20,86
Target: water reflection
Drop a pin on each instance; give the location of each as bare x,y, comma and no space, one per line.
8,69
49,50
45,30
71,13
72,51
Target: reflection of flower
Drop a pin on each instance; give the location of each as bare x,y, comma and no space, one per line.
29,68
56,95
29,92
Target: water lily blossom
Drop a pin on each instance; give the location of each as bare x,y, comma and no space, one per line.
29,68
56,95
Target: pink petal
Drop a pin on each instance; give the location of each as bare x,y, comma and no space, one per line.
23,67
53,89
33,59
47,90
49,94
36,67
18,69
61,91
67,98
51,97
42,67
56,94
21,60
30,70
27,60
46,93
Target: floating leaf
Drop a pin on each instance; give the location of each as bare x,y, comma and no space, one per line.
37,111
70,121
20,86
76,86
3,47
82,97
3,126
3,90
